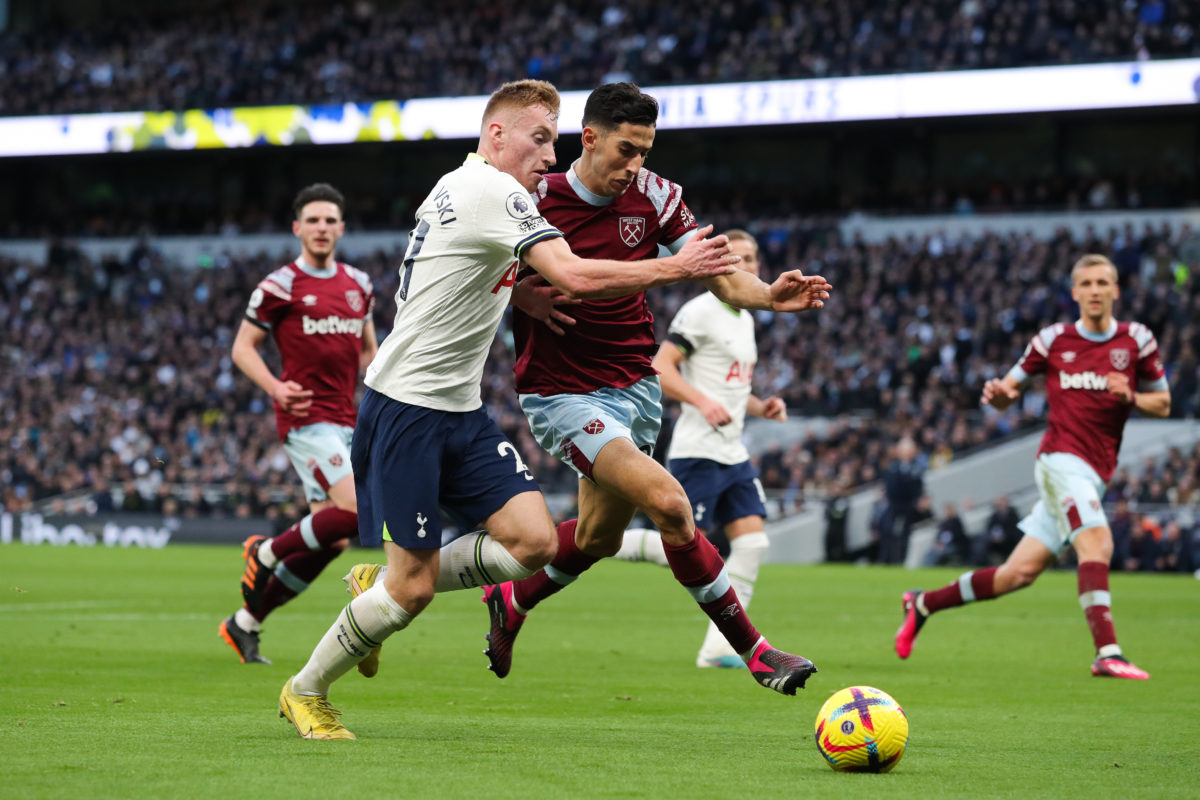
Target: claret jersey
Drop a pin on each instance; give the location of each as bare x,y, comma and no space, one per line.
1084,418
316,318
612,341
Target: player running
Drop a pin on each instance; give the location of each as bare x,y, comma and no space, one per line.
707,364
592,396
318,311
423,438
1092,368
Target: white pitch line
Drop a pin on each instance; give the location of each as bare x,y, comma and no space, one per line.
75,605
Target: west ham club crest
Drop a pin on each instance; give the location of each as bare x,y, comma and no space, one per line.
632,230
355,300
1119,359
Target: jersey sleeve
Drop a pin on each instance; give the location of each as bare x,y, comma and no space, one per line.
687,329
1035,357
508,218
676,222
270,300
1151,377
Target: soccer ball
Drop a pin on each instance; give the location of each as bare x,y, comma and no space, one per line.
861,729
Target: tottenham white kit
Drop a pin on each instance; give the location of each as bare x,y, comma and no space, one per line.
455,283
719,343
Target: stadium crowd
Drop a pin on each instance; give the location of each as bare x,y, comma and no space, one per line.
119,385
268,53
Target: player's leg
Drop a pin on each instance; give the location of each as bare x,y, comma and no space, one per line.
641,544
748,546
629,475
320,454
361,626
1028,559
1094,547
731,497
397,454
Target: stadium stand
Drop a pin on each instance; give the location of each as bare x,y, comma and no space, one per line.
119,366
227,54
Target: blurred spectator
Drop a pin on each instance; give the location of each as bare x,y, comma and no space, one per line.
1141,550
951,545
1000,534
904,485
1177,549
837,510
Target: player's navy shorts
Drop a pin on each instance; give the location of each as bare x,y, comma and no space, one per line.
410,462
719,493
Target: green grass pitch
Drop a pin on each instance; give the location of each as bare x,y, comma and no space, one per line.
114,683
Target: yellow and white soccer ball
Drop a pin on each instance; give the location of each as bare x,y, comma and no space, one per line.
861,729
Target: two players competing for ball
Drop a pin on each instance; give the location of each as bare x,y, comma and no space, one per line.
422,417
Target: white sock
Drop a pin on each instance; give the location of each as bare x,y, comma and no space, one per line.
472,561
246,621
746,554
362,625
476,560
266,556
642,544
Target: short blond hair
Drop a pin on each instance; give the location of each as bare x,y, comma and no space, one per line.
1093,260
522,94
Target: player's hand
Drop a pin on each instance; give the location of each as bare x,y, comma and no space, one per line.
714,411
795,291
1118,384
701,257
997,393
774,408
292,398
540,300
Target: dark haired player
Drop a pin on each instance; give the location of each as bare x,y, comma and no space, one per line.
593,398
318,311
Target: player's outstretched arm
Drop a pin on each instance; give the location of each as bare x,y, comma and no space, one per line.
291,396
590,278
791,291
676,387
1000,393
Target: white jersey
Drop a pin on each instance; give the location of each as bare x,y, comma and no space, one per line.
719,344
455,283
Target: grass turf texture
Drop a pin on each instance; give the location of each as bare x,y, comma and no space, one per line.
115,684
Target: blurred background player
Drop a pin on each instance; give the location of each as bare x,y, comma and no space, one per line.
424,440
318,311
592,396
707,364
1091,367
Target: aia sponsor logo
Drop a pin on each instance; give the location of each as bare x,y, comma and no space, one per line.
740,372
594,427
508,278
355,300
632,229
1119,359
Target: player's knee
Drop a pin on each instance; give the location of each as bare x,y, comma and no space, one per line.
534,548
671,512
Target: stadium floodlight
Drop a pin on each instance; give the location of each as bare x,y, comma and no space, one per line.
1139,84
